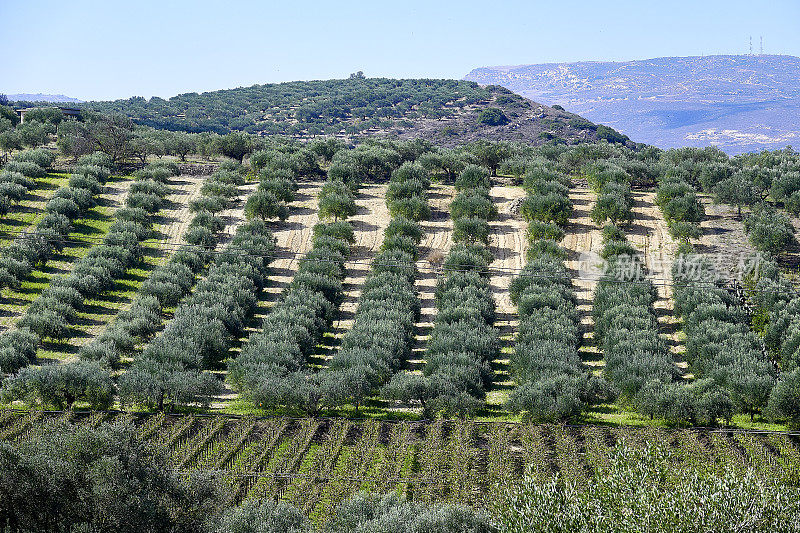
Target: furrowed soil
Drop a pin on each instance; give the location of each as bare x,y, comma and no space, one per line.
583,243
508,243
436,243
649,233
369,223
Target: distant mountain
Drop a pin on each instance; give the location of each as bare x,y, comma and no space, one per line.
39,97
445,111
740,103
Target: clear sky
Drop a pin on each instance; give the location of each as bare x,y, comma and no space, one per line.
116,49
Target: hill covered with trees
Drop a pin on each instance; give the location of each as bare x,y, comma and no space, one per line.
445,111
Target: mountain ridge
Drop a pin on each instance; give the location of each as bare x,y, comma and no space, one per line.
39,97
740,103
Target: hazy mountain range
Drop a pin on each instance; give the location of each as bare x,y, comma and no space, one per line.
39,97
740,103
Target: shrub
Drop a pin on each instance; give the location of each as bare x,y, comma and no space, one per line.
471,230
544,230
214,187
17,349
62,385
336,201
41,157
139,200
473,177
548,400
614,206
99,173
282,188
405,227
414,208
263,517
150,172
473,204
12,191
26,168
551,207
85,181
149,186
212,204
200,236
63,206
207,220
400,190
265,205
769,230
99,159
684,231
546,248
7,176
492,116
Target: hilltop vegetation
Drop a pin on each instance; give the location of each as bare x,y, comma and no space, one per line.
448,111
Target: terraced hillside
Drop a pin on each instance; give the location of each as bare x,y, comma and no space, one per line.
554,290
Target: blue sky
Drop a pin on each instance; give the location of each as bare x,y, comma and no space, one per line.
115,49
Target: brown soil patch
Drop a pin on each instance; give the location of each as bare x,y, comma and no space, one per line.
436,243
369,223
724,240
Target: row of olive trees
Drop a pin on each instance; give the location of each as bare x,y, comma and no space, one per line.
272,369
552,383
19,176
777,317
382,334
52,314
613,187
170,282
680,206
68,203
171,369
18,346
463,341
625,324
722,351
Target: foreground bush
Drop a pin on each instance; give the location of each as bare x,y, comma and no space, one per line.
361,513
645,490
100,480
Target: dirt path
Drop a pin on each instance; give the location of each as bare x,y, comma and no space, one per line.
583,243
175,219
293,241
724,241
436,243
233,217
370,221
508,242
649,233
